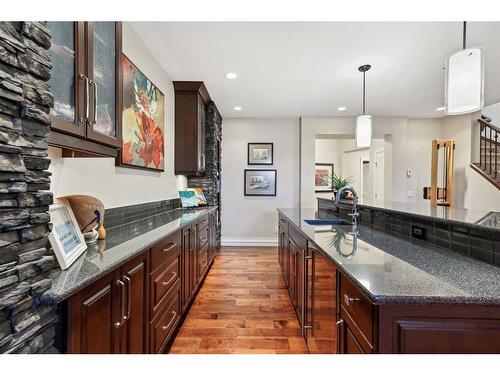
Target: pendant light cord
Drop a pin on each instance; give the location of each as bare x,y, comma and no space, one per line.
464,34
364,94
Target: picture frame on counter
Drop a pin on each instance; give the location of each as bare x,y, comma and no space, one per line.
65,237
260,154
260,182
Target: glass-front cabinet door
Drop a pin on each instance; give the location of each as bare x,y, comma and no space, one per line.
67,82
103,67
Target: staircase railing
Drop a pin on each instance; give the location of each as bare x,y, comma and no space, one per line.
489,147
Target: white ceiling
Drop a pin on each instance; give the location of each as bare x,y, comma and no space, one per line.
292,69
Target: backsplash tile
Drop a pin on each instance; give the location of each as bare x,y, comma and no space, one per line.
482,244
114,217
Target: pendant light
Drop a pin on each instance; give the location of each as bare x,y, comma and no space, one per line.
364,122
464,84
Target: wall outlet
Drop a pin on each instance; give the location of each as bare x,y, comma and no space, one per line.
409,172
410,194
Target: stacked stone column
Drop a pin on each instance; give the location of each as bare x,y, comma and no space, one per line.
26,323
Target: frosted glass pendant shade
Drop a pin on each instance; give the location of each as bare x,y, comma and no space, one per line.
364,131
464,91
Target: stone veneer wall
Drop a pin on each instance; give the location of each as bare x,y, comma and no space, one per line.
209,183
26,325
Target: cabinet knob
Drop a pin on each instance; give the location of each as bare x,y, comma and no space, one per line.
340,322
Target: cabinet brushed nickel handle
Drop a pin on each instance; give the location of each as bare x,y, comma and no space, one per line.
165,283
349,300
340,322
86,101
169,247
308,257
129,296
122,304
308,327
93,84
174,314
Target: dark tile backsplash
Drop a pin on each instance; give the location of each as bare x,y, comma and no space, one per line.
114,217
478,243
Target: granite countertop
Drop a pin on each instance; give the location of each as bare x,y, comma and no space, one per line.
393,270
121,244
472,217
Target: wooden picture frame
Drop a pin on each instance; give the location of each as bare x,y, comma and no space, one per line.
323,167
66,238
257,188
263,147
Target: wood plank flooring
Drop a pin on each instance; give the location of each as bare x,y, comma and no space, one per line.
243,307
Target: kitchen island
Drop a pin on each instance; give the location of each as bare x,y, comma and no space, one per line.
393,295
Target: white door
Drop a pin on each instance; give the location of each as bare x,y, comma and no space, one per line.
379,176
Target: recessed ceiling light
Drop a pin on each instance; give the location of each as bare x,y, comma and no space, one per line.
238,108
440,108
231,75
341,108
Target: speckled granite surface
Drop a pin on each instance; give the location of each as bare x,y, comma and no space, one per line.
122,243
392,270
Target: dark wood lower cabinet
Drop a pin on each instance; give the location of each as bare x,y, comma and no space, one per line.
109,316
320,309
137,307
337,316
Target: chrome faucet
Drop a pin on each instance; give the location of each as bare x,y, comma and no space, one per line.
355,212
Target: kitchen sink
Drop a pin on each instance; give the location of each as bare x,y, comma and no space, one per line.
326,222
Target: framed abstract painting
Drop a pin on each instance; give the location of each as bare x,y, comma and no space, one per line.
322,177
143,121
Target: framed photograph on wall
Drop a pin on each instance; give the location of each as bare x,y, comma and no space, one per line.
66,238
260,182
323,173
260,154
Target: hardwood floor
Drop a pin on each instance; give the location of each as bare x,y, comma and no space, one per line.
243,307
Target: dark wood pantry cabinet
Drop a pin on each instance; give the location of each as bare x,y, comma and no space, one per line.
137,307
86,84
191,99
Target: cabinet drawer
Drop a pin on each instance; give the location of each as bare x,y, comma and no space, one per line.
203,222
165,248
203,261
162,280
203,237
164,325
358,306
283,222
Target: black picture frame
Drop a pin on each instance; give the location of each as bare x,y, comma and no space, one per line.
250,144
245,175
330,188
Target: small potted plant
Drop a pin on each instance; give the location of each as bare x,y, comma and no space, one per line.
338,183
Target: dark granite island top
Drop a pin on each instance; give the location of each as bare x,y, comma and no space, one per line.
121,244
393,270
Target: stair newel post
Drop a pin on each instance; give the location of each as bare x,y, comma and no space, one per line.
496,154
481,148
490,139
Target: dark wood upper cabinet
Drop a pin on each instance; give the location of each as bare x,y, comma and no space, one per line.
191,99
86,84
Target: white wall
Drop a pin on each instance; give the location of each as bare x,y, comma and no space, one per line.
493,112
471,190
395,185
117,186
328,151
421,133
253,220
